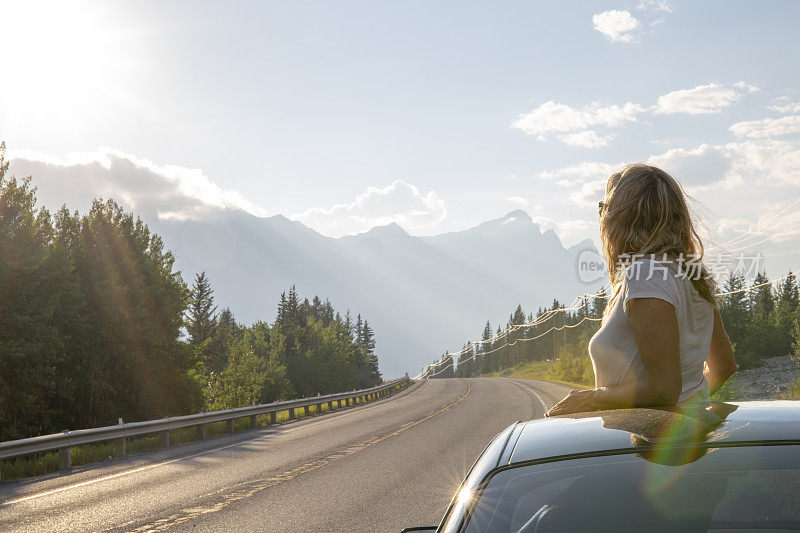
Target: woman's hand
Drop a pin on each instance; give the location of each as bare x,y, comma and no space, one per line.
577,401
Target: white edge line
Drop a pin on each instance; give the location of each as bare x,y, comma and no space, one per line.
544,405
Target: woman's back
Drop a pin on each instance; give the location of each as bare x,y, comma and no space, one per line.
613,350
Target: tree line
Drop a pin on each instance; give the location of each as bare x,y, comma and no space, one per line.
310,349
762,320
96,324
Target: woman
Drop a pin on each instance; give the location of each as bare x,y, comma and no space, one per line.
662,341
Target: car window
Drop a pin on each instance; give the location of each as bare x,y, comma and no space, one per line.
727,488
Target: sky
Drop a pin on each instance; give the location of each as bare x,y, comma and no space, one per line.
435,115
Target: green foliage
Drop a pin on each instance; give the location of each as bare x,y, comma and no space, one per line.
761,322
201,321
92,313
90,317
309,350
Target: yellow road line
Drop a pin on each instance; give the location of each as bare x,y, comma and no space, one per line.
250,488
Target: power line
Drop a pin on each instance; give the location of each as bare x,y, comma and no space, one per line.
544,318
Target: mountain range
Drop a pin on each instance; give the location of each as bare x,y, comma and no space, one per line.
422,295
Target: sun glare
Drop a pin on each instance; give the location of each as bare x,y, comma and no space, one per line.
62,62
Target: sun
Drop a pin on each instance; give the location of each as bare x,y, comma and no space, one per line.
62,62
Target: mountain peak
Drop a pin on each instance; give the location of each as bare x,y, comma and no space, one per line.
392,228
515,216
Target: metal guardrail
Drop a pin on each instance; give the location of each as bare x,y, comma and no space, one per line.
64,441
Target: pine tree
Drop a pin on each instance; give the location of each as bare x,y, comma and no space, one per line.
788,295
359,331
368,340
598,306
201,320
348,323
219,347
786,311
761,338
483,361
734,312
280,318
762,300
292,311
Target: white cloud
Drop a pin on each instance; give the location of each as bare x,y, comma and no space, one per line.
762,162
589,193
699,166
767,127
552,116
616,25
656,5
745,87
586,139
735,184
578,125
151,189
518,200
399,202
767,161
580,172
784,104
702,99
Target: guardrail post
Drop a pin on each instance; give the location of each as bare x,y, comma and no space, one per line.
330,405
305,410
65,457
163,439
229,426
119,445
201,431
272,417
291,413
253,422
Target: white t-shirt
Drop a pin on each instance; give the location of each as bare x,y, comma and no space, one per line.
613,350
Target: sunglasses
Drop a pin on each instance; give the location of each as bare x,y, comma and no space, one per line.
600,207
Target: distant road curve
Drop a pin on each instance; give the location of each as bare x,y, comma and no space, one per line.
378,467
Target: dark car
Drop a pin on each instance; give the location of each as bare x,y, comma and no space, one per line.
726,467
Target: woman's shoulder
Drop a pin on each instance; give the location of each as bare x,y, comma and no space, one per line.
651,277
650,268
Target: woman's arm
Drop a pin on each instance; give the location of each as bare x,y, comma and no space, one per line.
655,330
720,364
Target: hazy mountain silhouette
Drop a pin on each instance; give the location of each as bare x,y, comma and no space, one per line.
422,295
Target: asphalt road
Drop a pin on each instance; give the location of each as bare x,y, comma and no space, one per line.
382,466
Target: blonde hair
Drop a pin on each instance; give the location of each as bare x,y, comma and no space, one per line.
646,213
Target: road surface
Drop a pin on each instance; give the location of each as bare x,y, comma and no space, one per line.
382,466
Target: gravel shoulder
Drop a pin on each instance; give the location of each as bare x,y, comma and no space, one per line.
772,380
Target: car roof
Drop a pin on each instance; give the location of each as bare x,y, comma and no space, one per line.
622,430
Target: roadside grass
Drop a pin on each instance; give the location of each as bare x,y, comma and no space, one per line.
46,463
794,391
577,372
573,371
728,392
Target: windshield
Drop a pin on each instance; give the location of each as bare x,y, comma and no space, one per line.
729,488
